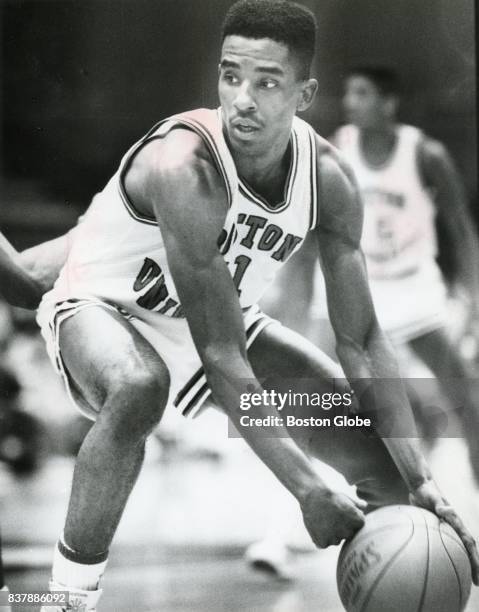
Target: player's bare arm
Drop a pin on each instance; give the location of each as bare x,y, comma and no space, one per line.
18,286
362,348
440,175
27,275
44,261
187,196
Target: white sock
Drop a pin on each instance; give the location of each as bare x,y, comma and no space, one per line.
77,575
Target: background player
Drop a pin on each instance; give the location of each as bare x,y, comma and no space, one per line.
408,183
179,177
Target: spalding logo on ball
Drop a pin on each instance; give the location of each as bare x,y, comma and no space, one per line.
404,559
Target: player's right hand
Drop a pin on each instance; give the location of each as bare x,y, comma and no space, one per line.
428,496
331,517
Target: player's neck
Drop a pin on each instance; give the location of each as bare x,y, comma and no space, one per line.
266,174
378,143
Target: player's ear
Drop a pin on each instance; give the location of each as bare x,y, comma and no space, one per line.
308,91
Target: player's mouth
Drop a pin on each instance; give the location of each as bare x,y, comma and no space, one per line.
244,129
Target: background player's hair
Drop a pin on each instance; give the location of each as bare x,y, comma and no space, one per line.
285,22
385,78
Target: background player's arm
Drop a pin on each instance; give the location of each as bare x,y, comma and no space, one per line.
189,200
26,276
18,286
44,261
440,175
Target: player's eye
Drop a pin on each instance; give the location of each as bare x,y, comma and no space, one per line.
268,83
231,78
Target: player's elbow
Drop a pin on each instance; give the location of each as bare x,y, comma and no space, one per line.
349,351
223,366
219,359
358,345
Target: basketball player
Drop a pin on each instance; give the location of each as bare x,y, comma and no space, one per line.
407,179
156,303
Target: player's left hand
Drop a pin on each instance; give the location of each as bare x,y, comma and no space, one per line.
429,497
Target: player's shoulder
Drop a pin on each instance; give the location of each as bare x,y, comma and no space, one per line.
180,147
432,157
340,206
172,158
333,168
345,136
431,148
425,144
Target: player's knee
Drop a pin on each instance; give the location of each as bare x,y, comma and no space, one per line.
135,404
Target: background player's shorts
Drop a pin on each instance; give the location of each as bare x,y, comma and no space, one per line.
171,339
407,307
410,306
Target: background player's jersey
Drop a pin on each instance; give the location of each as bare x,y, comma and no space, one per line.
118,255
399,234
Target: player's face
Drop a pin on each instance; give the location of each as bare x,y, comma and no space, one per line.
260,92
363,104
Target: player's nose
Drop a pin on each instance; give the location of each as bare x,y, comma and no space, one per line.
244,100
350,101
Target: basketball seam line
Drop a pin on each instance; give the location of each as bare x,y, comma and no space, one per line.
453,567
365,536
385,569
423,594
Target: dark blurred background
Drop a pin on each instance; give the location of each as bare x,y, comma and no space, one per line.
83,79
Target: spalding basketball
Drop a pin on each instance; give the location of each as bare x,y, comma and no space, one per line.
404,559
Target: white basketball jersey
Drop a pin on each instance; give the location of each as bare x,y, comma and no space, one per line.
118,254
399,234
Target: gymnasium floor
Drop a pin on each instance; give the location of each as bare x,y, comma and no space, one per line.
179,547
180,544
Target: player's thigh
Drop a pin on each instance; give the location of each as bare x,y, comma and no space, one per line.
280,352
103,354
278,355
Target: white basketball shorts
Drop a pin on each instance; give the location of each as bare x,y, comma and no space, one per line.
171,339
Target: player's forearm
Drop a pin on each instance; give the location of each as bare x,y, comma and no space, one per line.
44,261
409,460
285,459
18,287
374,375
26,276
229,382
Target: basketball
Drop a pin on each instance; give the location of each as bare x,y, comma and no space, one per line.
404,559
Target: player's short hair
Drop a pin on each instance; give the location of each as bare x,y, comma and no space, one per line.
385,78
282,21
